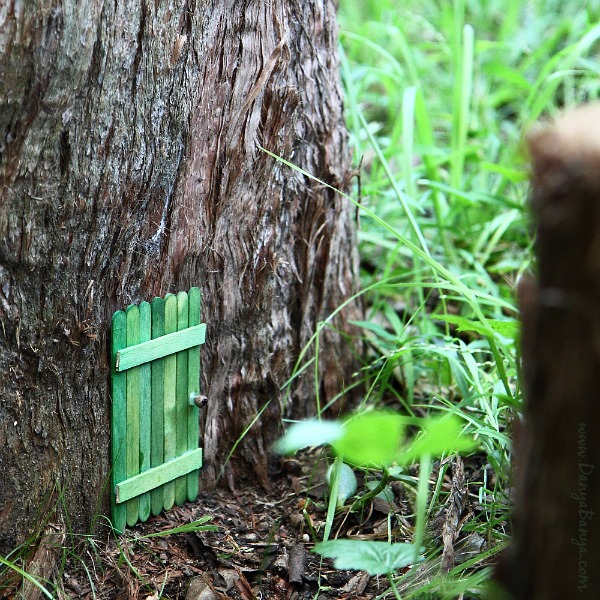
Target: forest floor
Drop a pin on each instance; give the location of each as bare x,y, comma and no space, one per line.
262,549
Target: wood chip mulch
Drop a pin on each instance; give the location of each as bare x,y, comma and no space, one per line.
263,547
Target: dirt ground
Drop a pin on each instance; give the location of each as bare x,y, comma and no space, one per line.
262,549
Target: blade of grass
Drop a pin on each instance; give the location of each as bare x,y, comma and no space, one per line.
426,257
197,525
408,139
26,576
462,104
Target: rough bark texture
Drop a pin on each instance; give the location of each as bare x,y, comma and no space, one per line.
557,520
129,168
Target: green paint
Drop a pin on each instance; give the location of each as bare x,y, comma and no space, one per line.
119,418
159,348
158,377
158,476
133,411
145,408
193,426
181,402
170,412
155,366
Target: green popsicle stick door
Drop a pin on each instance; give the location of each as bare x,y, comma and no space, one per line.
155,372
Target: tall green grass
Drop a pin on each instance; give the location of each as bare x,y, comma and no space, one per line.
438,96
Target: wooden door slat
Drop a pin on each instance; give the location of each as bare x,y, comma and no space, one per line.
170,383
158,377
193,425
145,408
133,412
181,396
131,357
119,418
158,476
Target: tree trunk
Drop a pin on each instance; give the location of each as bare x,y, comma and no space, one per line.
557,517
130,167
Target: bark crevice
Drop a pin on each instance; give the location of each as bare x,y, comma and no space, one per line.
131,168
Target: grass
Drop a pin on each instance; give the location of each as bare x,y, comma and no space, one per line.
438,96
88,555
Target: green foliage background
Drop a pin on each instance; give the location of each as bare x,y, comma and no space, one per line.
439,96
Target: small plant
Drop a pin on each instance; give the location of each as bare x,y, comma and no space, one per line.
377,440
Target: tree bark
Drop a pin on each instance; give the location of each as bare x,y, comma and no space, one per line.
557,517
130,167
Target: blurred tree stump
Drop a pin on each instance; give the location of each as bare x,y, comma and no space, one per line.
557,517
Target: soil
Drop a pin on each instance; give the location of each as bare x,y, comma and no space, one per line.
262,549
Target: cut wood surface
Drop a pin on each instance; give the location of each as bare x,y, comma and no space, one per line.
119,426
157,398
145,407
193,381
132,414
169,399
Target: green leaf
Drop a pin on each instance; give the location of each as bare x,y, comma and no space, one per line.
347,482
371,439
377,558
508,329
308,433
386,494
376,329
440,435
